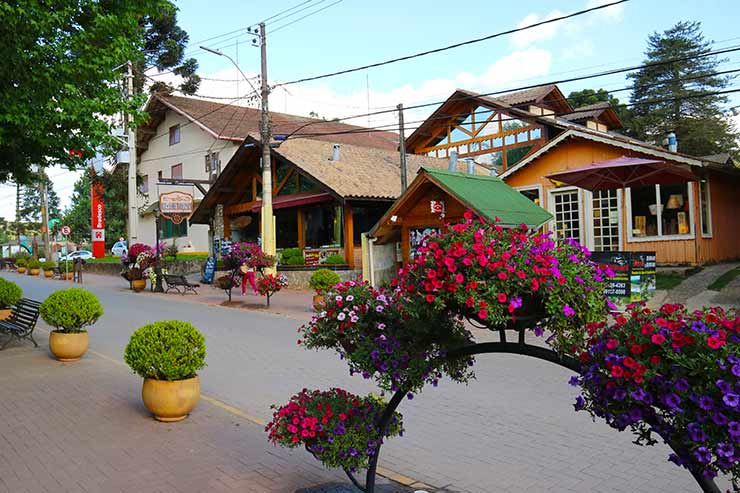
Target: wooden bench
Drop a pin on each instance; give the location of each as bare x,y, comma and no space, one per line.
179,284
21,322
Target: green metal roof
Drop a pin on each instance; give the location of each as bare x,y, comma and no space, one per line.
489,196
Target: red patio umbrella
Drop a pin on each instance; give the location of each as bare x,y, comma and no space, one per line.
624,172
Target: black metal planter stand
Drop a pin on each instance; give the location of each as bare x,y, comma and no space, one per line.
502,346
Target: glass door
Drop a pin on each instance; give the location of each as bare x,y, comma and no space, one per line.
567,212
605,208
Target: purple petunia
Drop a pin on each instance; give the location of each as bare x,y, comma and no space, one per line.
725,449
724,386
672,400
638,394
719,419
706,403
734,428
703,455
736,370
682,385
568,311
580,403
574,381
696,433
731,399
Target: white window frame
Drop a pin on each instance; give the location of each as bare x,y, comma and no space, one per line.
551,209
537,187
710,233
589,206
660,237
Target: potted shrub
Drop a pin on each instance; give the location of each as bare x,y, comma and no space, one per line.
10,294
168,355
335,259
34,267
292,256
70,311
49,267
21,264
321,281
137,279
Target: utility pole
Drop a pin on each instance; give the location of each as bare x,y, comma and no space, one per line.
268,229
402,147
133,213
44,215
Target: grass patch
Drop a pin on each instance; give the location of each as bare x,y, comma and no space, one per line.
725,279
108,259
668,280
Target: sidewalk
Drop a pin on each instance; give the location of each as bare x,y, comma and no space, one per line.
82,427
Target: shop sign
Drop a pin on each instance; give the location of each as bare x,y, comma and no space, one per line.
437,206
176,206
634,274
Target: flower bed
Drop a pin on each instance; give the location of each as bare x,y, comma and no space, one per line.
671,373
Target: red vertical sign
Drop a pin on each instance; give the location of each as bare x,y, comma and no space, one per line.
98,218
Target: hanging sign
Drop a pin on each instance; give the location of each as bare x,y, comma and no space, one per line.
437,206
634,274
176,206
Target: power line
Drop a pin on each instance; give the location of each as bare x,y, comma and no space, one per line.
273,31
456,45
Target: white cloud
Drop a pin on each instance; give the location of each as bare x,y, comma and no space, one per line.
579,50
527,37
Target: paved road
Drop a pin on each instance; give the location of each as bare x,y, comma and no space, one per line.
513,429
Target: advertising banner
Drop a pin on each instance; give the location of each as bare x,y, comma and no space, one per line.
98,220
634,274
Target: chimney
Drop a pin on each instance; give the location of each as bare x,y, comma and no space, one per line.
335,152
453,161
672,142
471,165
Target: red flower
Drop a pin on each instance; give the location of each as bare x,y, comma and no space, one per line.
621,320
430,298
468,215
612,344
617,371
503,276
629,362
658,338
715,342
655,359
342,416
459,278
501,298
521,274
483,314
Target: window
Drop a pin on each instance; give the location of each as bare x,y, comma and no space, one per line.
286,227
174,135
706,209
660,210
567,214
172,230
323,225
364,218
606,220
177,171
144,186
159,175
532,193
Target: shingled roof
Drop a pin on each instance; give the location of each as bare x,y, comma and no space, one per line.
235,123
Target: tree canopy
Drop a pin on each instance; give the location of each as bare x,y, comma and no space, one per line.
30,207
671,97
62,75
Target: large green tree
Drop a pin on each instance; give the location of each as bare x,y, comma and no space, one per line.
588,97
30,209
669,97
61,75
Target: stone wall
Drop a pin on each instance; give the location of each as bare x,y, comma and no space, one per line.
298,279
180,267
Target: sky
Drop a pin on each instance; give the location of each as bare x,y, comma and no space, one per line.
350,33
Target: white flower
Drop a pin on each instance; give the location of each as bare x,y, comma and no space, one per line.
341,316
350,298
338,298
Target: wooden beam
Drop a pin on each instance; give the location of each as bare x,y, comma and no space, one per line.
237,208
349,237
282,183
227,228
301,230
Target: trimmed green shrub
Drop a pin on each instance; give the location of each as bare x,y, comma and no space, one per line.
21,262
289,256
21,254
295,261
33,264
166,350
10,293
70,310
335,259
323,280
49,265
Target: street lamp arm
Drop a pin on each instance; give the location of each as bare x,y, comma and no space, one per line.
221,53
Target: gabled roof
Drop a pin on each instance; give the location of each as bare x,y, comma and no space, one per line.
601,111
487,196
235,123
361,173
457,108
615,140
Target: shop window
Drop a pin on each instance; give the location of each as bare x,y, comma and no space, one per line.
177,171
364,218
660,210
605,207
286,227
172,230
706,209
174,135
159,175
144,186
323,225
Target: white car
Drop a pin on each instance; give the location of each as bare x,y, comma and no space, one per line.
83,254
120,248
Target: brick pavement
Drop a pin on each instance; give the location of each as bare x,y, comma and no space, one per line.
82,427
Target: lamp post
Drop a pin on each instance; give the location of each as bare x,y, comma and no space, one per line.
157,268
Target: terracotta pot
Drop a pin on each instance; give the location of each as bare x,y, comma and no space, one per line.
68,276
21,270
170,401
5,313
138,285
68,347
35,272
318,300
48,273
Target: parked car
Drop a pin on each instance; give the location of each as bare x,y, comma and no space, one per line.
120,248
83,254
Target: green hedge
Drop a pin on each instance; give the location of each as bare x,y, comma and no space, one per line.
323,279
10,293
71,310
292,256
335,259
49,265
167,350
33,264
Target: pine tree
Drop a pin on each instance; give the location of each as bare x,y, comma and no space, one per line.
664,96
30,210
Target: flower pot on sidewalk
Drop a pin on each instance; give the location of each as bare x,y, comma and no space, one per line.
10,294
35,272
70,311
21,270
168,356
138,285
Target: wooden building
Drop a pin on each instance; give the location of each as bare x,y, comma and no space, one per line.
530,134
436,198
325,195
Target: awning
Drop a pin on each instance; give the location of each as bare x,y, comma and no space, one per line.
294,200
624,172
